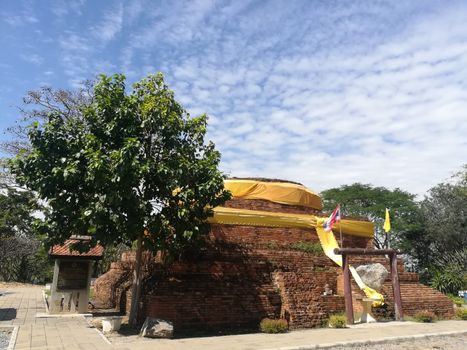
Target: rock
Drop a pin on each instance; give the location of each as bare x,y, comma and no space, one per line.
156,328
373,275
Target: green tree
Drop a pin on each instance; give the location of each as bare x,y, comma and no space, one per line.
367,201
441,249
128,166
444,212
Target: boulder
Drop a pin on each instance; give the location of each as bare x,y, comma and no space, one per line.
156,328
373,275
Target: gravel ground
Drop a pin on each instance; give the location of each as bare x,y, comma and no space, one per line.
451,342
4,338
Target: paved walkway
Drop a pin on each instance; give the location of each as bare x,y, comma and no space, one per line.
20,307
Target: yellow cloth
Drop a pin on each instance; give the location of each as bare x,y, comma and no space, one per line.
387,222
279,192
329,243
234,216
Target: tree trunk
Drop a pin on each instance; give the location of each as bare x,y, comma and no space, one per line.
136,287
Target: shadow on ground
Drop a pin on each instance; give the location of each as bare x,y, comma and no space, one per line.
7,314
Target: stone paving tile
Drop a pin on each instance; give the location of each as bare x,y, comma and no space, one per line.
20,307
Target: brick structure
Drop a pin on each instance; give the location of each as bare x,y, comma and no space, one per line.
247,273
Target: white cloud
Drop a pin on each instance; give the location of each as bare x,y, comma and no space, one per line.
26,16
64,8
32,58
110,25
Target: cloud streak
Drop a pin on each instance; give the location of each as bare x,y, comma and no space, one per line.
110,25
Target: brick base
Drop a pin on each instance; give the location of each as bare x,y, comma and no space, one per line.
249,273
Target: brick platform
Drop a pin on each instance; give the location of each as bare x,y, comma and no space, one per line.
249,273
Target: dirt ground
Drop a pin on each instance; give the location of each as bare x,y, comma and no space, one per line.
451,342
5,285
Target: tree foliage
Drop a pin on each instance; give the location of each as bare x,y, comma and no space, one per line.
441,249
444,214
124,164
364,200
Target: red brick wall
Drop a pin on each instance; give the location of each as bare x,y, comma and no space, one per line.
258,236
303,302
259,204
215,295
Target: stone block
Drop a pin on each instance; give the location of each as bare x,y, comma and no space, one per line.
156,328
373,275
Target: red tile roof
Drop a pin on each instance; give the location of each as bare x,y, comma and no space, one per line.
64,250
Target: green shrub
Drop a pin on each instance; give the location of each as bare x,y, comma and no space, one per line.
425,316
456,300
272,245
308,247
449,280
320,268
273,326
461,313
337,321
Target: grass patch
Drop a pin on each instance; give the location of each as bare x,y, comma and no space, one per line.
307,247
461,314
337,321
321,268
268,325
425,316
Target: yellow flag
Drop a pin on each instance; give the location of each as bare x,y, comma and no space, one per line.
387,222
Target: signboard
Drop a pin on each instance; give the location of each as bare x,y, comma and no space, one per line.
72,275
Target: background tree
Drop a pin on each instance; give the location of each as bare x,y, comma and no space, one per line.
22,256
441,250
39,104
126,167
364,200
432,233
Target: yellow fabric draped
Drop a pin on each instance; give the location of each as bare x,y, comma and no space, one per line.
234,216
329,243
279,192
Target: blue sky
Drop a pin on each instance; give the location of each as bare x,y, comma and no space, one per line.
322,92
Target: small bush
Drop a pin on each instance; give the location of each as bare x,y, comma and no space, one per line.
448,280
320,268
337,321
425,316
273,326
272,245
461,313
308,247
459,301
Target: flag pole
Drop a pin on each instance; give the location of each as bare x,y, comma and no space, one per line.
340,226
387,228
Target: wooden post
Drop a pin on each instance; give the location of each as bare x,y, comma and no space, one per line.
347,289
396,287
